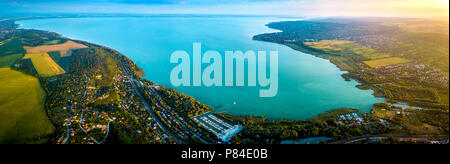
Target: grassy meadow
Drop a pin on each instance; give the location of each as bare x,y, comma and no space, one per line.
10,52
22,115
11,46
345,48
9,60
386,62
44,64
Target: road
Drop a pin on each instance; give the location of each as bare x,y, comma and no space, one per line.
160,123
68,130
71,108
107,133
158,98
384,137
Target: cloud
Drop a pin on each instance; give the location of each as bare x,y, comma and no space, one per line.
16,4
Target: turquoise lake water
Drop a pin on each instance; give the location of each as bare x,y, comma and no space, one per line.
308,85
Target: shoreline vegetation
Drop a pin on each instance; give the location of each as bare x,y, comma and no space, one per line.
381,58
346,43
103,94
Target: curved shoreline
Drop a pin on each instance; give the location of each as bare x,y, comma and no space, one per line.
254,123
250,114
349,75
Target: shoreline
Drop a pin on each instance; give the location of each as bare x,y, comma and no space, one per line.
347,75
252,123
377,91
278,119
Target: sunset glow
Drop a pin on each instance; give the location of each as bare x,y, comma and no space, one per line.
443,3
384,8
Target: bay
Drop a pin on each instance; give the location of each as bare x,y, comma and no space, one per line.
308,85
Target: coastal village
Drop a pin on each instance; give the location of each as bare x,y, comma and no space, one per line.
91,126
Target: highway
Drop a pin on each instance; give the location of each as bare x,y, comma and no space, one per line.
166,129
385,136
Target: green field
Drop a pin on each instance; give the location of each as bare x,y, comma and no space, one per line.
22,115
386,62
11,46
10,52
44,64
51,42
7,61
346,48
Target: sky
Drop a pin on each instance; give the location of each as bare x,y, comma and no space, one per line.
312,8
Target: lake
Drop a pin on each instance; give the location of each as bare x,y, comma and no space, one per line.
308,85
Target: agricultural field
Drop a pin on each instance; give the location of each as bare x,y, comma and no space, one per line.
22,115
11,46
9,60
345,48
345,54
63,62
52,42
386,62
10,52
62,48
328,45
44,64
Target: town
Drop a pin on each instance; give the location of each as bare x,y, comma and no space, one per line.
159,122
